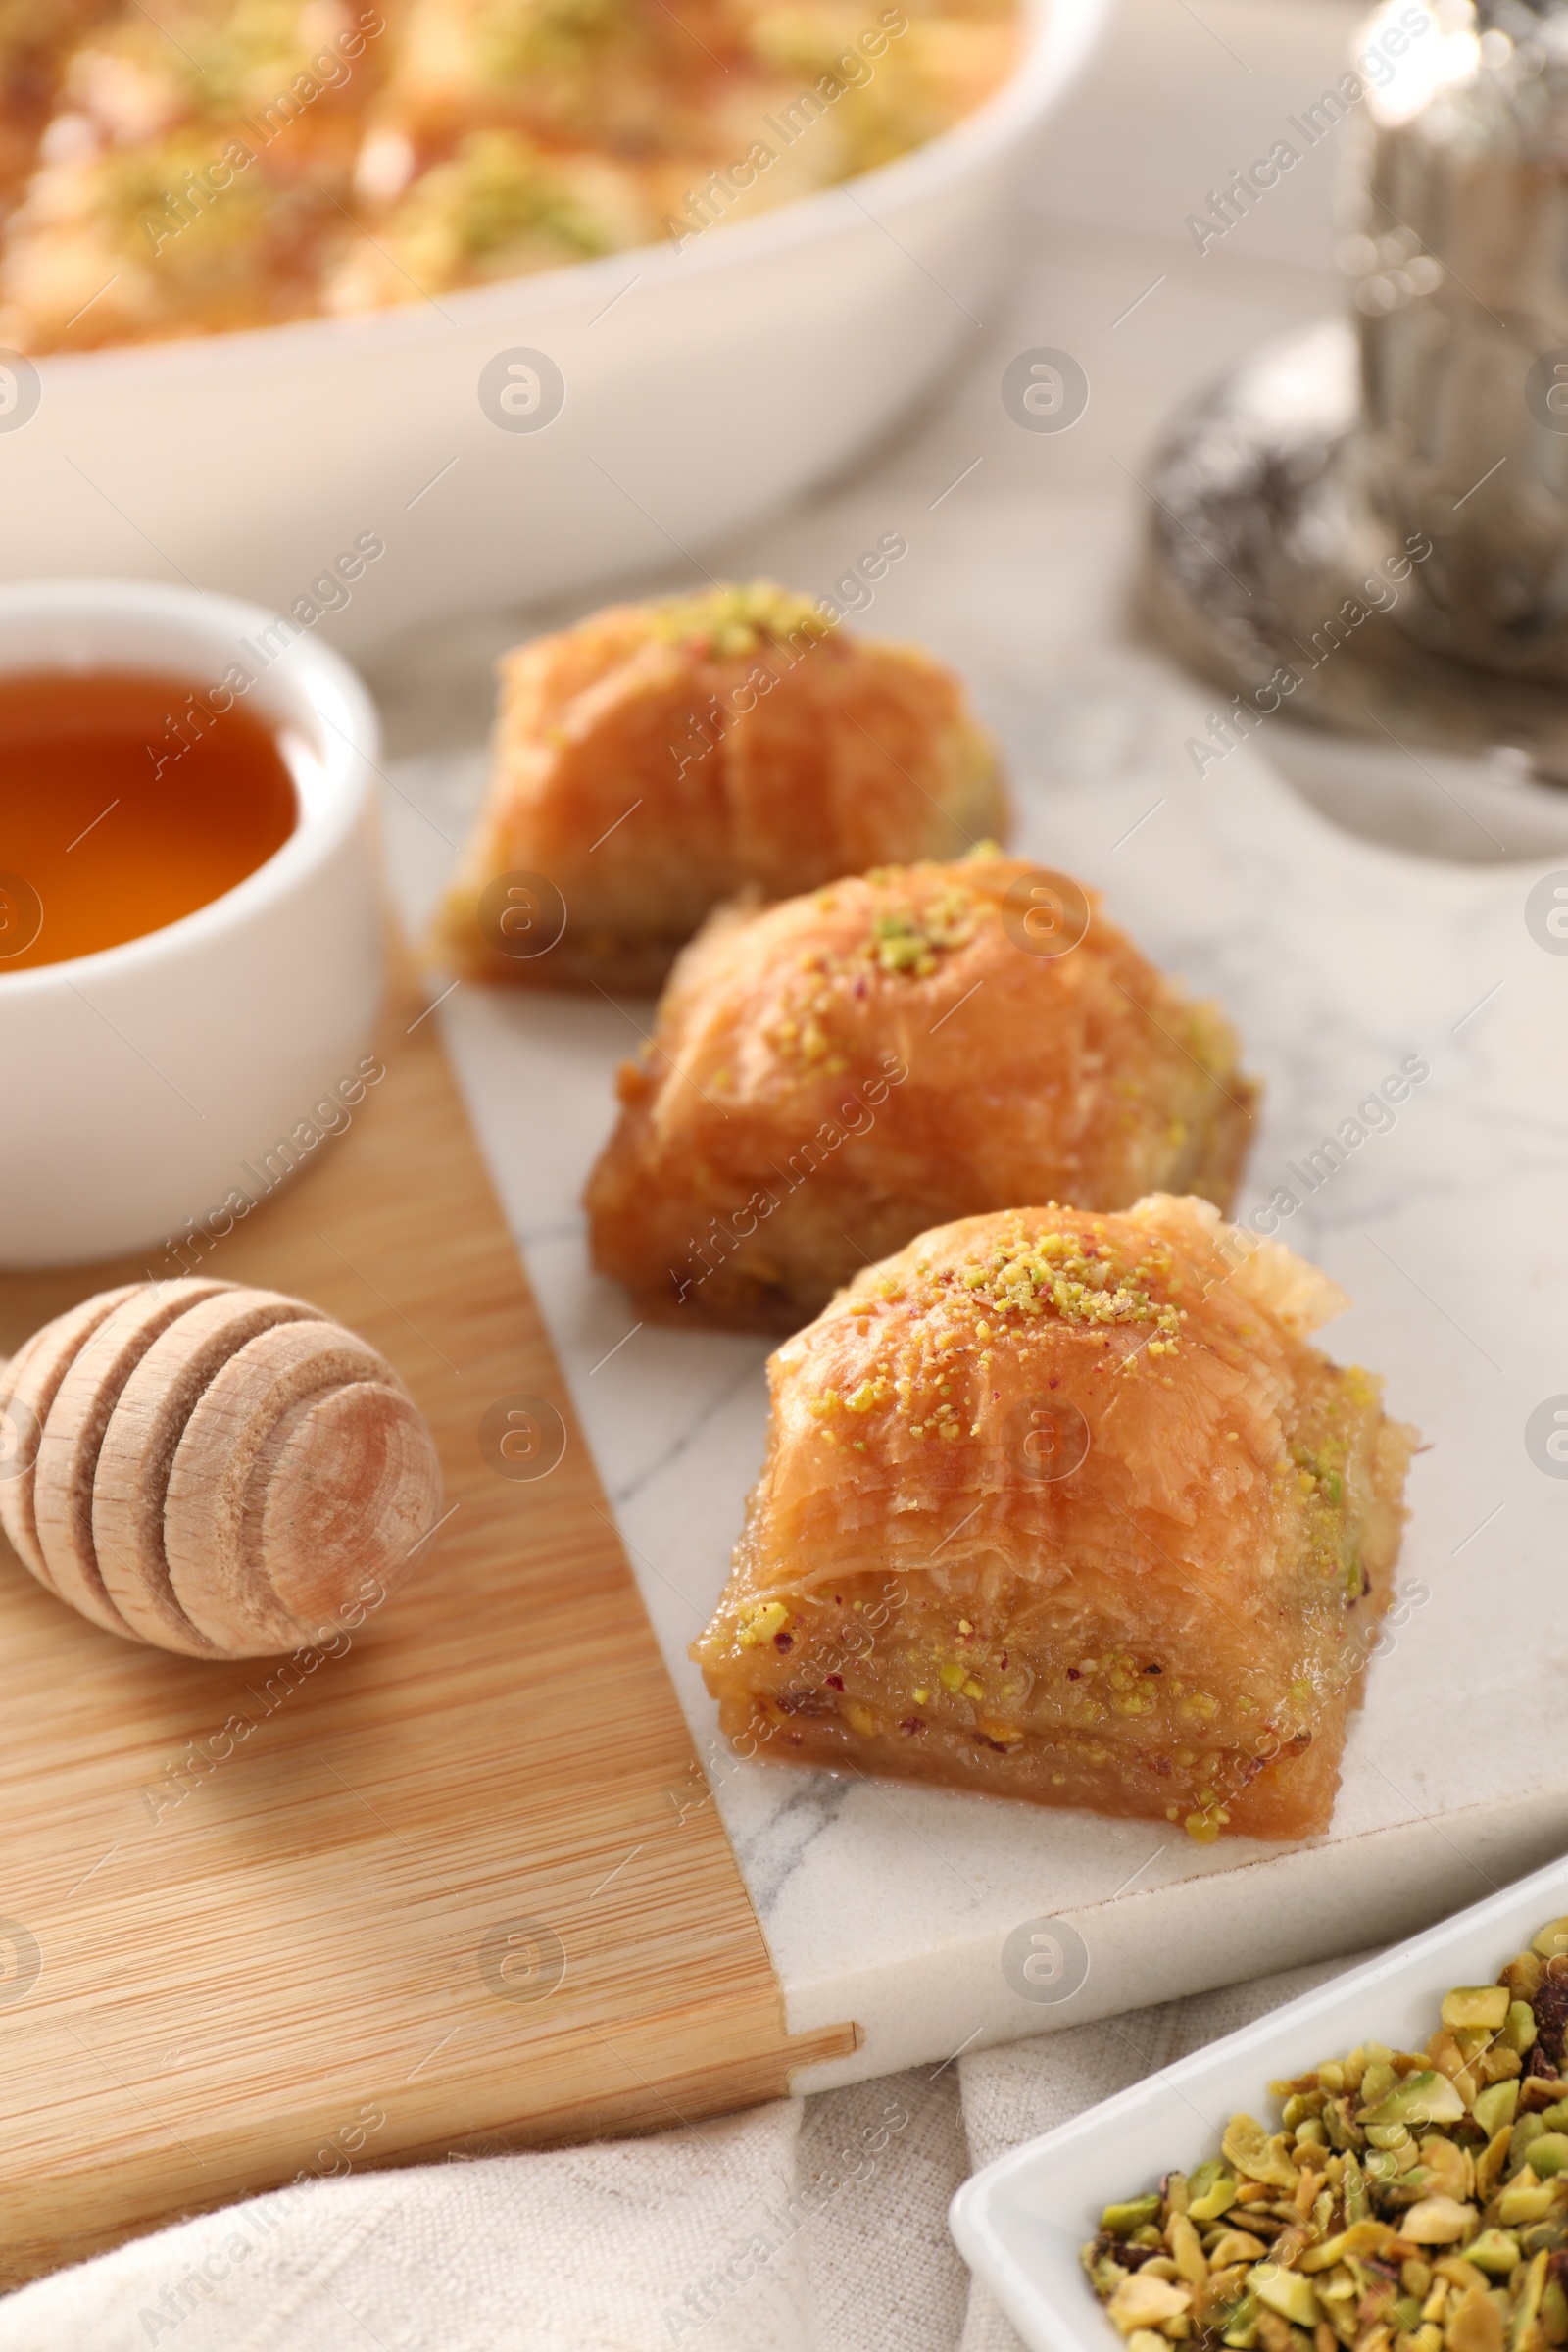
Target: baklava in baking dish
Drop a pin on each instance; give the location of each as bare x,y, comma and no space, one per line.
206,164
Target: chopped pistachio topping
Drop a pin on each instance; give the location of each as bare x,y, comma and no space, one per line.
1073,1276
737,617
1410,2201
904,941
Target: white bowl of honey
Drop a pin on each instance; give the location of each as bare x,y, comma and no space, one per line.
190,922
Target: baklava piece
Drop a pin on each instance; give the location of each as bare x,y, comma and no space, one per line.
927,69
498,206
508,139
622,76
1065,1507
832,1075
32,49
514,135
660,757
194,174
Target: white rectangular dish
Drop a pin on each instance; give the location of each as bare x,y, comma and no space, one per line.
1020,2224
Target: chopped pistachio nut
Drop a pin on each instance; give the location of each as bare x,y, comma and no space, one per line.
1424,2097
1122,2220
1437,2222
1519,2030
1285,2292
1412,2200
1211,2192
1525,2199
1141,2301
1477,2005
1496,2105
760,1622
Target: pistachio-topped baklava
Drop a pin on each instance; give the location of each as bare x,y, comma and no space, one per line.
832,1075
1067,1508
657,757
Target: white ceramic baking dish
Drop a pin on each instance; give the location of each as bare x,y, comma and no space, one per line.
702,386
1020,2224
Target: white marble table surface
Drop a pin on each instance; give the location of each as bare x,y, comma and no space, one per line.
1337,951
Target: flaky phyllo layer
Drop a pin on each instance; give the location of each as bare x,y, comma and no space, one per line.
1067,1506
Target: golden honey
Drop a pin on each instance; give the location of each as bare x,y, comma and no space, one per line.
121,810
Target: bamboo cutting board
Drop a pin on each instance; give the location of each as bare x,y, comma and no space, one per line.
455,1888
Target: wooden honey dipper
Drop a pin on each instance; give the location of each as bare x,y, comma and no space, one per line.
213,1469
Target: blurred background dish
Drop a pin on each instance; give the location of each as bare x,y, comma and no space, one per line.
725,371
236,163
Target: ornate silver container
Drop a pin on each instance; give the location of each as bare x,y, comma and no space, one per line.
1460,262
1368,519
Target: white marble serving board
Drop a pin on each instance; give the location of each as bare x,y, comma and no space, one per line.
890,1903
